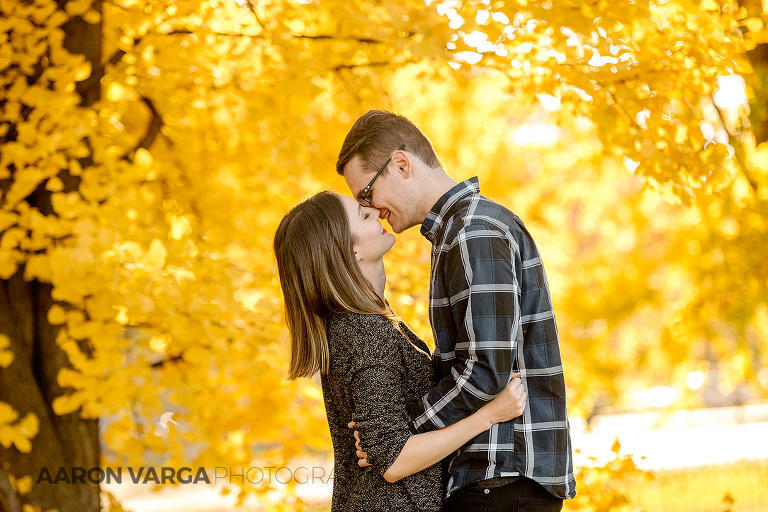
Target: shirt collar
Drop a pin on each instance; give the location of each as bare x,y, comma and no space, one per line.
444,207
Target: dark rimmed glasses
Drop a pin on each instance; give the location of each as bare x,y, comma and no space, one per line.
364,197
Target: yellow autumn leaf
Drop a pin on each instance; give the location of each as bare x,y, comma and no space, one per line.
249,298
77,7
7,414
143,158
75,169
6,435
8,263
56,315
68,205
155,257
22,443
33,95
20,433
23,485
116,436
37,267
133,249
68,378
12,238
122,316
92,16
29,426
6,358
181,274
54,184
66,404
754,24
7,219
115,91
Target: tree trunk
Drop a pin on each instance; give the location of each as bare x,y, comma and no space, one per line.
29,384
758,57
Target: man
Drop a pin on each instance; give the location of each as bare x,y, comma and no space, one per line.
491,316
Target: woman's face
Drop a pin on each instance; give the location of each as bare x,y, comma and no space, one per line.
371,240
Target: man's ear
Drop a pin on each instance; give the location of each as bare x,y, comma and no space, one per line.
403,163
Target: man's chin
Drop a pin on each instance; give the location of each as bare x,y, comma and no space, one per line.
394,228
398,226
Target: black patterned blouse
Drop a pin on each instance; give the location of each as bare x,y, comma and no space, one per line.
375,374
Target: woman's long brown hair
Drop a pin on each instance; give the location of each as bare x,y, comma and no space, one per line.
319,277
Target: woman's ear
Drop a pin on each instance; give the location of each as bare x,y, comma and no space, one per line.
357,256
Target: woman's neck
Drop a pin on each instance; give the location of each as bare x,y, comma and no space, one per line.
374,272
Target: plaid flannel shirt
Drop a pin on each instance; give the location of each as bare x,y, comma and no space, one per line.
491,315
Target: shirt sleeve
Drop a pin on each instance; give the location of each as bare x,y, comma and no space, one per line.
378,394
484,296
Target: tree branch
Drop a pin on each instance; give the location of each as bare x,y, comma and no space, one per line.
154,126
115,58
330,37
255,14
163,362
370,64
738,147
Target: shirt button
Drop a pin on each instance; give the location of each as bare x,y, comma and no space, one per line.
487,491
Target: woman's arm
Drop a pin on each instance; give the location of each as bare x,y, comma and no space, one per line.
422,450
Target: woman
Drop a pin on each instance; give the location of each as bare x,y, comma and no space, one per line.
329,253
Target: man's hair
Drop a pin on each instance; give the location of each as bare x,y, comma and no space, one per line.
319,276
377,134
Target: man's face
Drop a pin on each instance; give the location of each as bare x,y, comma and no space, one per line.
390,193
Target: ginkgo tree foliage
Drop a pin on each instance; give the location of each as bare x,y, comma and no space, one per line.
149,148
640,282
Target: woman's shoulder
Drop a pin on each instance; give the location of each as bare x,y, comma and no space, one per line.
366,335
358,323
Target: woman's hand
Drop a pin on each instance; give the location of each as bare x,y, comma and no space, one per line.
508,404
362,457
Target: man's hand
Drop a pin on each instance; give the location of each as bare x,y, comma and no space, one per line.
361,455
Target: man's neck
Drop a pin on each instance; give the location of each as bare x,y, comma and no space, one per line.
438,186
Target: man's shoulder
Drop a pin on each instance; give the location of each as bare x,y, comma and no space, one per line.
478,213
480,217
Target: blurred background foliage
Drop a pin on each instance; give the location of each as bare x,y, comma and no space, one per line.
148,149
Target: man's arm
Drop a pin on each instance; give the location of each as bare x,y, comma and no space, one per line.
484,299
422,450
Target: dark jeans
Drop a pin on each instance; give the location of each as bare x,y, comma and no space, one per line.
524,495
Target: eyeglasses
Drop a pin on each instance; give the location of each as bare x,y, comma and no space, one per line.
364,197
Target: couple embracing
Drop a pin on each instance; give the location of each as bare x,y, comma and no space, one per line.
480,424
